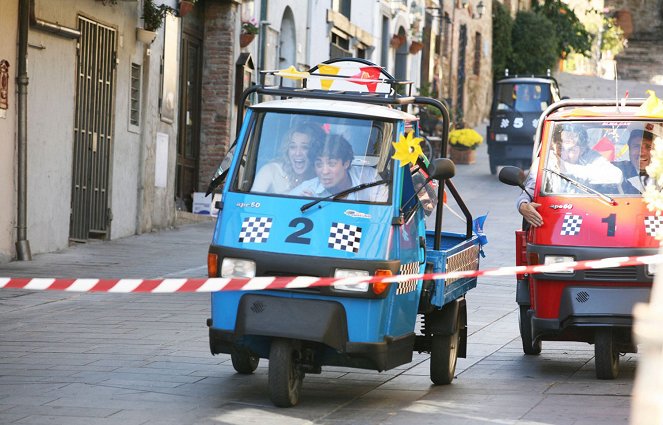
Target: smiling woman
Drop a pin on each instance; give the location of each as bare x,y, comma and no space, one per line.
293,164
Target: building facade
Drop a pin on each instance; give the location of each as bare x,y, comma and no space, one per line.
120,131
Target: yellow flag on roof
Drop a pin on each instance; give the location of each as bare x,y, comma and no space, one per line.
652,106
408,149
329,70
292,73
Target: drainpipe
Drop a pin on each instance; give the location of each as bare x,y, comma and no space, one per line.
262,38
22,243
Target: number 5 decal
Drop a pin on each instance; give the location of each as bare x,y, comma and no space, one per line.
610,221
296,237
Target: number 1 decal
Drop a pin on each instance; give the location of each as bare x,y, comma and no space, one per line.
610,221
296,237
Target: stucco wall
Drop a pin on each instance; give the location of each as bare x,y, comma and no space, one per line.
51,104
8,23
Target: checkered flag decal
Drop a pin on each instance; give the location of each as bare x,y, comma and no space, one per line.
653,224
408,285
344,237
255,229
571,225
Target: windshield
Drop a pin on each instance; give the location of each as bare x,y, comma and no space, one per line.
609,157
523,97
315,157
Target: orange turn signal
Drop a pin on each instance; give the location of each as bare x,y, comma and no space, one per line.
380,287
212,265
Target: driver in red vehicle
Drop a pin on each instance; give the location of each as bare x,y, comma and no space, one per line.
572,158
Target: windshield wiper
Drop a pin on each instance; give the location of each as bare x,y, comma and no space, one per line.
342,193
602,196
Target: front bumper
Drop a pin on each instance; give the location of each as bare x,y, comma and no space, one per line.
262,317
591,306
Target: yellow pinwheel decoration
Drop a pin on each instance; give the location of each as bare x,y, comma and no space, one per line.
408,149
652,106
292,73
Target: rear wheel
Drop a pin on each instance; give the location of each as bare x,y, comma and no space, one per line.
493,165
530,347
443,356
243,361
285,373
606,354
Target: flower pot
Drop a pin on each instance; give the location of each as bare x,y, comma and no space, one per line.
186,6
246,39
397,41
145,36
415,47
463,156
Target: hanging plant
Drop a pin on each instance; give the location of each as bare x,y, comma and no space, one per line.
154,15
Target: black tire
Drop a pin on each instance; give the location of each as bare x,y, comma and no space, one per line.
443,356
531,348
244,362
606,354
493,165
285,374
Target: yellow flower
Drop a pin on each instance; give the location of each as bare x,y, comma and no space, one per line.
408,149
465,137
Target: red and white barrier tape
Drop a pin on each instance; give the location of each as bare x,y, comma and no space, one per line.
297,282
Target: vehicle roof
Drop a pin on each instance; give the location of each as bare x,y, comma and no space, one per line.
584,112
331,106
516,79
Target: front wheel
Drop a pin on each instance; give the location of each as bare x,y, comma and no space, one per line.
285,373
606,354
443,356
243,361
530,347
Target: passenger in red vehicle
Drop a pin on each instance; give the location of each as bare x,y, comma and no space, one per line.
639,148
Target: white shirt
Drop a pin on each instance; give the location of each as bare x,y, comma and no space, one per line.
358,175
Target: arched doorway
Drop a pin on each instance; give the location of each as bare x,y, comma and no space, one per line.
287,42
400,63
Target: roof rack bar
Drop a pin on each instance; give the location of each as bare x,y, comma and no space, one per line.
373,98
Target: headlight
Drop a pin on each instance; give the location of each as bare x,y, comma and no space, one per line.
501,137
651,269
349,274
556,259
236,267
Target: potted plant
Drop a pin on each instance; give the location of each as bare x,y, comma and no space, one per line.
397,40
416,46
249,31
186,6
153,17
463,143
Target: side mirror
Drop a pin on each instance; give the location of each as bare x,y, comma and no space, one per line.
513,176
442,169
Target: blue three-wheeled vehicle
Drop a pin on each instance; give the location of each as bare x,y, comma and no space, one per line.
328,181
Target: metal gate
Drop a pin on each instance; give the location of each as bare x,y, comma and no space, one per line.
93,131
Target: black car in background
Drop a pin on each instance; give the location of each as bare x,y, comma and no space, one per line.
514,116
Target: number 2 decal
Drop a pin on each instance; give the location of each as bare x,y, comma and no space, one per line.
296,237
610,221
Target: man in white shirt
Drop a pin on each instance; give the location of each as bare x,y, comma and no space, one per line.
572,158
335,173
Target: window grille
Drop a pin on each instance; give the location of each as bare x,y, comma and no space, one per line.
134,106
